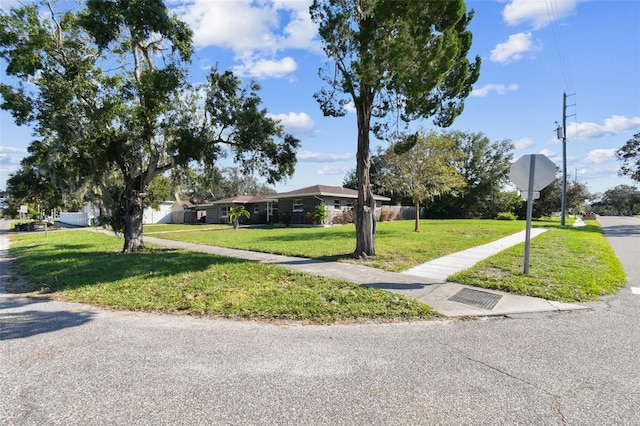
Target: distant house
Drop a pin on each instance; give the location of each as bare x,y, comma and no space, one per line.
288,207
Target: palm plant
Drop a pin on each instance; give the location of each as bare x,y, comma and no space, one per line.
235,213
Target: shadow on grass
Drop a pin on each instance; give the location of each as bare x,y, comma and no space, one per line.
588,229
307,237
69,269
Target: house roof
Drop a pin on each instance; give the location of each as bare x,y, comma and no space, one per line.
244,199
310,191
325,190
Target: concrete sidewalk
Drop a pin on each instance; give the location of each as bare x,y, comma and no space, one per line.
426,283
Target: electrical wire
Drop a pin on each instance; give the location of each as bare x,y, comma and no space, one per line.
554,19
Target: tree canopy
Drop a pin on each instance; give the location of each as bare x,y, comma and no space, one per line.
395,61
201,186
629,154
106,89
428,170
621,200
485,168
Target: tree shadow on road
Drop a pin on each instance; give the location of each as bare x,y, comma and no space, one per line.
18,325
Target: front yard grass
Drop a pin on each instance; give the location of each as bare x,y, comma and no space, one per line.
566,264
398,248
84,266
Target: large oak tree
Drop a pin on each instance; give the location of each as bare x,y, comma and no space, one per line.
107,91
395,61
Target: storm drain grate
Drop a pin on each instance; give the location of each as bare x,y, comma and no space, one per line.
479,299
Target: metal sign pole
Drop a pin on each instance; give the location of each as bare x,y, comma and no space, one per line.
527,241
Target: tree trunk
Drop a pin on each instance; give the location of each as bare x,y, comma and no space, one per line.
365,207
417,227
133,216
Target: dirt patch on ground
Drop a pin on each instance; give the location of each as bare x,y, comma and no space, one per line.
14,283
21,286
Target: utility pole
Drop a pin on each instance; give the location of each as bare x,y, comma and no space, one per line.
563,204
561,132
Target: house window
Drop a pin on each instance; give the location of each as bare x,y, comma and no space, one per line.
256,209
272,208
350,204
298,206
224,211
336,204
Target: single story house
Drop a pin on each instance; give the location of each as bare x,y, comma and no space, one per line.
291,207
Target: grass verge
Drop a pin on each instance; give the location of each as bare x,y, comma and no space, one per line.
87,267
566,264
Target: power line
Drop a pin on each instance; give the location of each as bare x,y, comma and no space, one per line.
554,19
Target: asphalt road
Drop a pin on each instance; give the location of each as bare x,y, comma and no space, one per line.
72,364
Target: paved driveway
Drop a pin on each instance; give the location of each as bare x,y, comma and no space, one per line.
66,364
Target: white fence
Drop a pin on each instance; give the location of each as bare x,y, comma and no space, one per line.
76,219
87,217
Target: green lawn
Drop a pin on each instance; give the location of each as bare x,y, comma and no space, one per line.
87,267
398,247
566,264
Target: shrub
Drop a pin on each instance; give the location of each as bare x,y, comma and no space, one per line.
260,218
320,214
344,217
309,218
286,219
386,214
506,216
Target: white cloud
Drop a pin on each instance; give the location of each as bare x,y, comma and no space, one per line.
10,155
514,48
350,107
598,156
551,155
500,89
300,32
296,123
524,143
232,24
266,68
606,171
547,153
316,157
332,171
538,12
613,125
12,150
256,31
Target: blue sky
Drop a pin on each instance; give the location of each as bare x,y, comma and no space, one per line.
532,51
